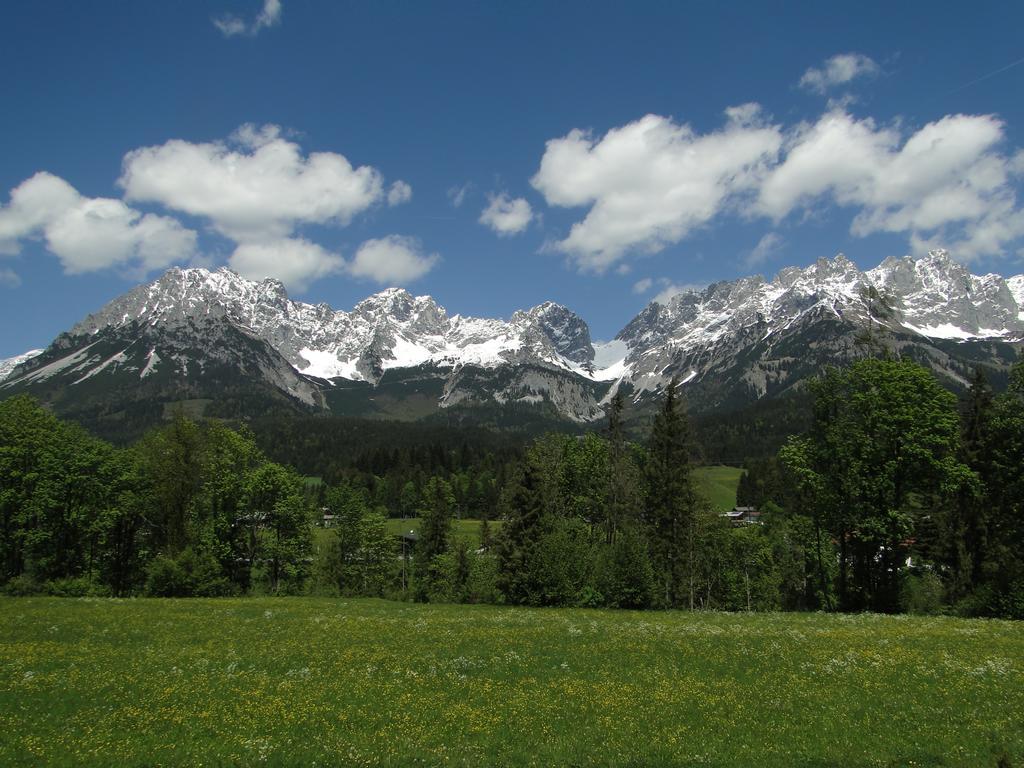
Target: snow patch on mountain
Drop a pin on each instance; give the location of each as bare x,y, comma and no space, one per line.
152,361
1016,286
8,365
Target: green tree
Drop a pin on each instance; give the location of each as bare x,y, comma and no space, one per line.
436,510
173,462
885,436
277,522
672,503
624,484
526,518
624,576
362,551
1001,576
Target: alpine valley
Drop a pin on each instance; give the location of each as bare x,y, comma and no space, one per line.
217,344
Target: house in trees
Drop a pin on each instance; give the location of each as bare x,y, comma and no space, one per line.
740,516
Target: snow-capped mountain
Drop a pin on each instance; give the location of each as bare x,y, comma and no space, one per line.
932,300
391,329
237,346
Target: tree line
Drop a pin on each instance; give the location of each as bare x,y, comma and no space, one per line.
896,498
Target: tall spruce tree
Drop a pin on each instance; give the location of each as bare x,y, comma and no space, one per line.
672,503
437,509
519,538
623,494
969,532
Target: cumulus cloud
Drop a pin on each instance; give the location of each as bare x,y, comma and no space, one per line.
766,247
231,25
457,195
255,187
838,70
9,278
947,182
505,215
670,289
643,285
293,261
89,234
399,193
650,183
667,288
392,260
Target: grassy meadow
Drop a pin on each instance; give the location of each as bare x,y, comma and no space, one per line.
718,484
309,681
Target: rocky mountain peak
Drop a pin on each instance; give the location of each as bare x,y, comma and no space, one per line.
397,305
567,331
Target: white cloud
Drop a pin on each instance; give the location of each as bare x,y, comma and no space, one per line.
232,26
458,194
89,234
838,70
399,193
670,289
9,278
256,187
946,183
505,215
392,260
35,203
295,262
643,285
650,183
767,246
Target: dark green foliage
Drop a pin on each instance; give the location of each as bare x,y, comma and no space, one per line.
995,524
755,431
891,500
881,456
526,512
921,592
764,481
624,575
671,504
361,554
186,574
192,509
436,510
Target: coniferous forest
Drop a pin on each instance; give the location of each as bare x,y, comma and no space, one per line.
896,497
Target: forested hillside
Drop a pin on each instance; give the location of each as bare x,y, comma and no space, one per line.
894,497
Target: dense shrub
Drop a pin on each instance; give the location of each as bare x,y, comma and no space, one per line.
187,575
921,593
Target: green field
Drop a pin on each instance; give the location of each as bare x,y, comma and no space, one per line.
718,484
303,681
462,530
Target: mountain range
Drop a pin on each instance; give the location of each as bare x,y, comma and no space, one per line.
218,344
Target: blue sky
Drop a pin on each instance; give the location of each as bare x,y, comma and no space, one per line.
495,155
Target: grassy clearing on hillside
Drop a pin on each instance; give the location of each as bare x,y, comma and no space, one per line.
299,681
718,484
462,530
